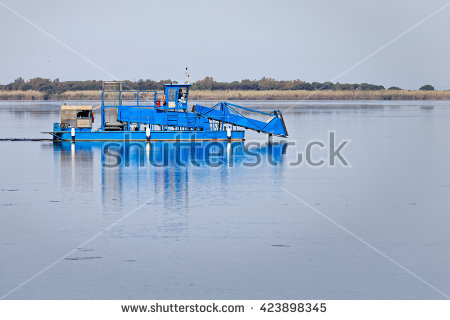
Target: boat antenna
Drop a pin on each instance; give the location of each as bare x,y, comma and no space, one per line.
187,76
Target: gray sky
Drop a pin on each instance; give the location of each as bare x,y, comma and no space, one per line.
228,40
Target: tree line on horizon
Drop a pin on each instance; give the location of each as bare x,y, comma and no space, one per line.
51,87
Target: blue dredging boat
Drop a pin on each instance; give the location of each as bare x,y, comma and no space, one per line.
161,116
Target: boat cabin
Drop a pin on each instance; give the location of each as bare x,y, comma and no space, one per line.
76,117
176,96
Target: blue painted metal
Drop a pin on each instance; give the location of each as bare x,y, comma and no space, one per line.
167,111
225,112
157,135
162,117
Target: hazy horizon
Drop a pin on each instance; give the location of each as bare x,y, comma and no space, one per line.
287,40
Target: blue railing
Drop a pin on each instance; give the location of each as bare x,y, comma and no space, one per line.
132,98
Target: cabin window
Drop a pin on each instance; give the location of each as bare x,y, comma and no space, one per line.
83,114
182,94
172,93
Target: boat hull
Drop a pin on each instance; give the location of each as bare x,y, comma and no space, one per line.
214,135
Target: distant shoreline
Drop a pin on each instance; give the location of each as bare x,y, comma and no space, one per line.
31,95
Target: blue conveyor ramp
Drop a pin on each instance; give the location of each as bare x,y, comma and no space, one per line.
227,113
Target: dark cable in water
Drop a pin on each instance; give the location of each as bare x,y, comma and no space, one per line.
25,139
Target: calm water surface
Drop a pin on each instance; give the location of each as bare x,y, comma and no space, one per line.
230,231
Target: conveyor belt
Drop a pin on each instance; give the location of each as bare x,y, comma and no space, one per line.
228,113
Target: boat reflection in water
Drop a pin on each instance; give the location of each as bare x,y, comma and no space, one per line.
191,154
131,173
170,154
